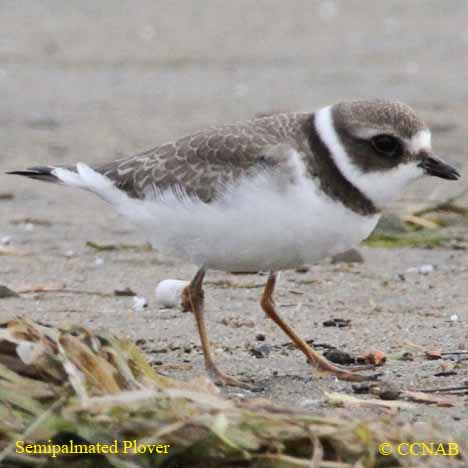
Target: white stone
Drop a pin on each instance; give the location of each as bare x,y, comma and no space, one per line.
168,292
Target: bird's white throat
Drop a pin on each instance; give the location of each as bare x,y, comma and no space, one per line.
380,187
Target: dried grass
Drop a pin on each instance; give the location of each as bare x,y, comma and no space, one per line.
73,384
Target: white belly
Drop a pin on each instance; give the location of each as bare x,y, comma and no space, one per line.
254,227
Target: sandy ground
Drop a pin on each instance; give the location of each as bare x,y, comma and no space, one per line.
89,81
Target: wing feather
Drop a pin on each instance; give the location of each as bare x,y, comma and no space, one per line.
204,163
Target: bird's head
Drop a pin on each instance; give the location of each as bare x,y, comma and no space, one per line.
380,147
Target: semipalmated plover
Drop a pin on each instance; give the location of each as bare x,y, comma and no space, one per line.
272,193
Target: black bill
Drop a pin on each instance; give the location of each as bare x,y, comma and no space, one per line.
438,168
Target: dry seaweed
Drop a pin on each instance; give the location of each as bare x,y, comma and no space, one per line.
72,384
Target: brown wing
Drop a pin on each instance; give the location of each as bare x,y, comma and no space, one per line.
203,163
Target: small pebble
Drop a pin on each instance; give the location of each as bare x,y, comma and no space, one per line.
124,292
454,318
99,261
388,391
5,240
337,322
139,303
303,269
426,269
422,270
260,337
261,352
339,357
361,388
350,256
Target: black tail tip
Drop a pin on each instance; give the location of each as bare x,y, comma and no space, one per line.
23,173
45,170
40,173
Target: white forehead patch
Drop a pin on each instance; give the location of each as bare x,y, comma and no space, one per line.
420,141
367,133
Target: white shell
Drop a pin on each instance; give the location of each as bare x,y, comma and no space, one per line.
168,292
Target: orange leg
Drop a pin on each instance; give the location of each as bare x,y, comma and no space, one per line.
193,295
315,358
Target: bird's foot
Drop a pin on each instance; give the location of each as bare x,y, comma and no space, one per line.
347,373
223,380
354,367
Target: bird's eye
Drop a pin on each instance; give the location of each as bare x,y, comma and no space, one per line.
387,145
